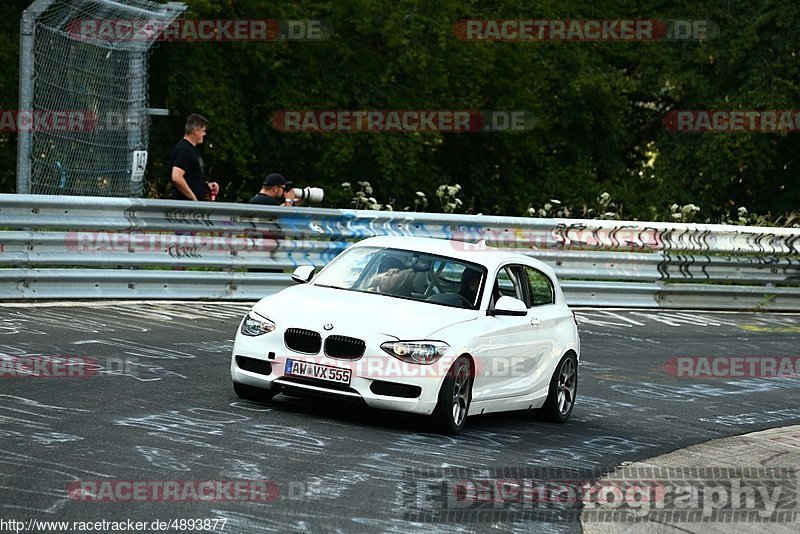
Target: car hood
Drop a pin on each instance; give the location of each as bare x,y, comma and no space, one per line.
354,313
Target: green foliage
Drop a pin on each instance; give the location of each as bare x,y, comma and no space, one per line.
753,64
10,12
598,107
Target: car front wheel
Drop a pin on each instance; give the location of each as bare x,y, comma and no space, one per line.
563,389
243,391
452,407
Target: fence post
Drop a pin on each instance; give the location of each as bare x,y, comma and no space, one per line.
137,70
27,36
70,63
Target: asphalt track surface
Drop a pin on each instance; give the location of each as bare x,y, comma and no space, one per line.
160,407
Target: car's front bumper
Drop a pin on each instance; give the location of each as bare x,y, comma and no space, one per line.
378,379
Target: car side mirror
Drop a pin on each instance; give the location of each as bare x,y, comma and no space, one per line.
303,274
509,306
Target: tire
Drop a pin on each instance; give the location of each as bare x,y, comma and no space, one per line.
563,391
243,391
455,396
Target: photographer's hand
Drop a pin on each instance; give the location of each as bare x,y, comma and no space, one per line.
213,190
290,199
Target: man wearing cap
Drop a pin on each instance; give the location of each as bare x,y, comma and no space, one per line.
275,191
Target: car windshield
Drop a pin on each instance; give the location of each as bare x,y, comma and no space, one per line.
406,274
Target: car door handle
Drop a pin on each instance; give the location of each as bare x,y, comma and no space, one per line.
536,322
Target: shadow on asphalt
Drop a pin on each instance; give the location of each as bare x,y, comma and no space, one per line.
358,414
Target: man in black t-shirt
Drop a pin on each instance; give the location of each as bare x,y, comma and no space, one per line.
275,191
187,172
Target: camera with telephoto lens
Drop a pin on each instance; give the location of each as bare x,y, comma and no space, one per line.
310,194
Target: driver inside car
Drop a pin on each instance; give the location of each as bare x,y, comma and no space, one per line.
470,282
392,278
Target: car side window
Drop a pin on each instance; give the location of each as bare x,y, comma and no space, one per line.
540,287
508,284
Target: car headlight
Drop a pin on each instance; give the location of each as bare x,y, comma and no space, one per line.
255,325
424,352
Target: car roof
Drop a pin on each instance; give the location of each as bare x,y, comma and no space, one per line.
479,253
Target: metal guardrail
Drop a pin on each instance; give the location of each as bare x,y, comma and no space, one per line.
54,247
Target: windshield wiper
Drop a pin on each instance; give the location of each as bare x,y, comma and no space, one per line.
333,287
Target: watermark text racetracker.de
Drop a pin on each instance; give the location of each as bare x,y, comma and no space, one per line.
732,120
671,495
70,120
535,30
183,491
16,366
401,121
34,366
733,366
198,30
173,490
182,244
385,367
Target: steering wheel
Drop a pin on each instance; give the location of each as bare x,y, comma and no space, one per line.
467,303
435,283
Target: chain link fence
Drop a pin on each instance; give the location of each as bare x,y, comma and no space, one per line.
84,80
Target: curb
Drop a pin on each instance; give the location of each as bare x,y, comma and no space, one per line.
776,450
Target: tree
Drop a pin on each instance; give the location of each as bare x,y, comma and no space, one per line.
596,108
10,13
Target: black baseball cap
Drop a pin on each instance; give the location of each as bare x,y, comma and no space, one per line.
274,179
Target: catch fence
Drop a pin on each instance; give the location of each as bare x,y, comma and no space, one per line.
84,120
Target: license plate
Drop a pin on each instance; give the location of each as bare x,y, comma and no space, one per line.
320,372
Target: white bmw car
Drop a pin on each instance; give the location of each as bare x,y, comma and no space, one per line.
427,326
